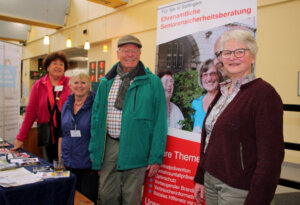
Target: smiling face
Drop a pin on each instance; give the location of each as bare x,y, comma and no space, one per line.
168,83
56,68
210,79
129,56
237,68
80,86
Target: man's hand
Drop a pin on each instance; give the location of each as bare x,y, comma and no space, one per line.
99,171
153,169
199,193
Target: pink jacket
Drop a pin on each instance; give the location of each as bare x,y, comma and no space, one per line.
37,108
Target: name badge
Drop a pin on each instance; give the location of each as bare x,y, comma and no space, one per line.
75,133
58,88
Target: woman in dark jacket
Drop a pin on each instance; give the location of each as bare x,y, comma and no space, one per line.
76,121
242,137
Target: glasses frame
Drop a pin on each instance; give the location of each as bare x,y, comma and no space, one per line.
218,54
212,74
235,52
133,52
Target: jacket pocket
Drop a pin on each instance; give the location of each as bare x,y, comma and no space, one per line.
145,125
241,156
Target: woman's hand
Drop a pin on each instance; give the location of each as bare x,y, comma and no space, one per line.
199,193
17,145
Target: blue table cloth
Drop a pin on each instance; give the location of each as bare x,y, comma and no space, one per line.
54,191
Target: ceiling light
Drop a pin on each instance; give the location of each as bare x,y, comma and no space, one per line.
46,40
87,45
105,48
46,37
69,43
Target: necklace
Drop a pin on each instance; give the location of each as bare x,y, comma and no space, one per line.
78,104
82,100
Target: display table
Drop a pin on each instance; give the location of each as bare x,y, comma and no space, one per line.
54,191
31,143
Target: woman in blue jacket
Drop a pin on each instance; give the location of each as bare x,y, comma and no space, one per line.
209,78
76,123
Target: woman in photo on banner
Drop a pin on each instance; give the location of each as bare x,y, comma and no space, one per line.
46,92
208,79
242,146
174,113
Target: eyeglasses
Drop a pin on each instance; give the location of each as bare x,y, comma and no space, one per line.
212,74
166,81
133,52
240,52
218,53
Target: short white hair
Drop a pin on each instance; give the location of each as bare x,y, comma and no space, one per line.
242,36
81,74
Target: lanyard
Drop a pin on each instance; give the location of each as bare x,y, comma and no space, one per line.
75,119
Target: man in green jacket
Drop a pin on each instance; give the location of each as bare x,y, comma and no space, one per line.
128,126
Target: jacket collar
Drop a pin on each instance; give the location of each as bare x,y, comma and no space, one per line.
44,79
250,83
113,72
243,86
88,102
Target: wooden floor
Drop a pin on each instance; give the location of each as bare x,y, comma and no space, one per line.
81,200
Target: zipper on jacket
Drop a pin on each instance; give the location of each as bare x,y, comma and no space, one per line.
105,129
104,149
241,155
135,98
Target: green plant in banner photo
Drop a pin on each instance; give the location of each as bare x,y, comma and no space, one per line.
186,89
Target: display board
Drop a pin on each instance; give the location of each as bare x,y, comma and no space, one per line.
10,68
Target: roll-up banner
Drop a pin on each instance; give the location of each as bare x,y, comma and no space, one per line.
187,36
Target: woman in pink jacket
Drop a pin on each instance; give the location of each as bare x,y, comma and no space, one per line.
53,86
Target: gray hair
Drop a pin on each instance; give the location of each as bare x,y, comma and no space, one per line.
81,74
205,67
242,36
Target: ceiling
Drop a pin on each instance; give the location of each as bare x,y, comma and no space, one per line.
17,16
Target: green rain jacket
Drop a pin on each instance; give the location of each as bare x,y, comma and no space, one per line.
143,126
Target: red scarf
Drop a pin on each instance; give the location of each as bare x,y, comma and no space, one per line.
52,102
